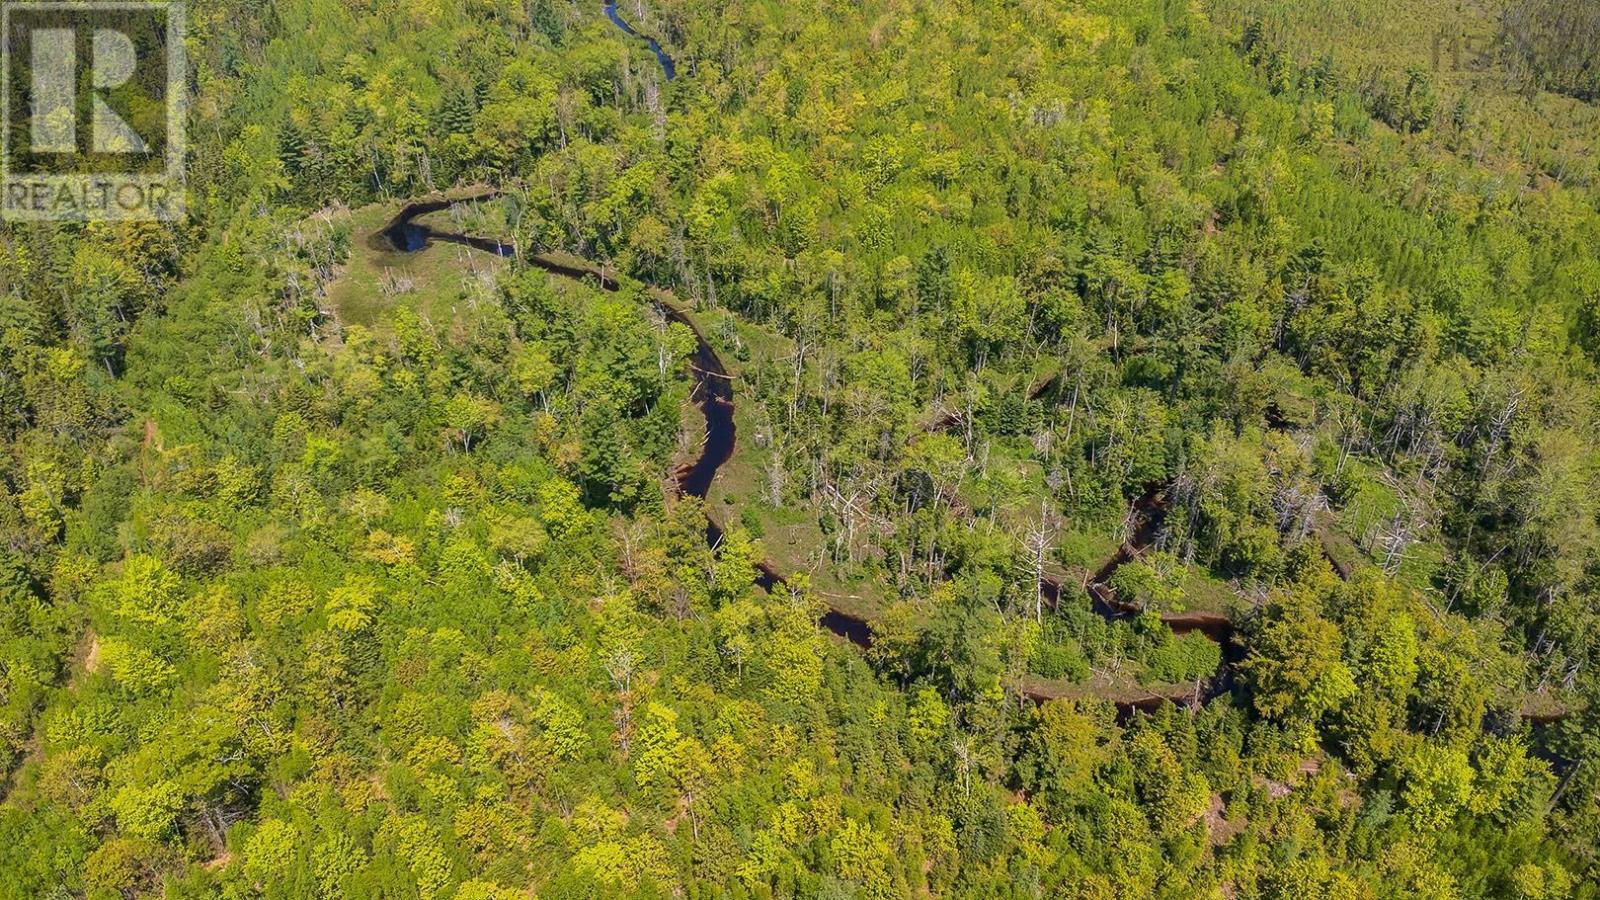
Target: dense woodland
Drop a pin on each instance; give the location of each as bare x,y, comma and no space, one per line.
1198,402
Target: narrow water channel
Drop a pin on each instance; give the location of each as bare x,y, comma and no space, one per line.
668,67
713,386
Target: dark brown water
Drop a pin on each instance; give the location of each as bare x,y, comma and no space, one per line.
713,395
668,67
713,386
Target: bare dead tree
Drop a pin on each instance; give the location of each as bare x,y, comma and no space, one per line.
620,665
1039,541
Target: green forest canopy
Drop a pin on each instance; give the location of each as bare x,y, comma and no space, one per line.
333,571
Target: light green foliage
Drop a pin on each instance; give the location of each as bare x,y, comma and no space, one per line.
148,812
1295,667
1438,783
476,889
929,719
1175,798
335,860
656,756
414,846
147,591
471,417
1152,582
1064,750
332,570
351,605
561,727
1391,661
863,857
559,508
136,669
270,852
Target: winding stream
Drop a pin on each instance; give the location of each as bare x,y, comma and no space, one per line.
668,67
713,395
713,386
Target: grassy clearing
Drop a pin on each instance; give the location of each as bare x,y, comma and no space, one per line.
441,282
444,281
1206,593
1120,688
793,538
